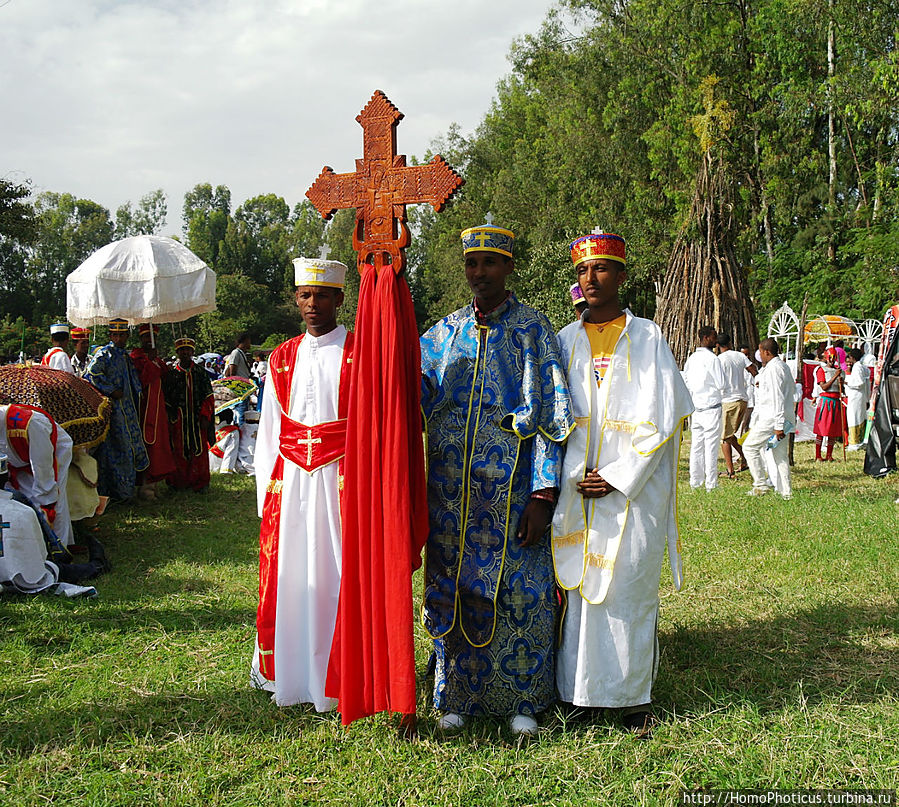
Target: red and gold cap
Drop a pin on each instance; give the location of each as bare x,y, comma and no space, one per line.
144,327
598,245
79,333
184,341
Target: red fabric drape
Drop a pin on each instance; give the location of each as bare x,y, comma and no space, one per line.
385,522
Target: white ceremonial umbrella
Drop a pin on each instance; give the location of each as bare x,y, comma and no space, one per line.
146,278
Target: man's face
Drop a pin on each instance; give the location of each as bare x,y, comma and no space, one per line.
118,338
486,273
185,355
318,306
600,279
82,346
145,341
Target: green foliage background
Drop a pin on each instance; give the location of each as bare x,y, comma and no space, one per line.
601,121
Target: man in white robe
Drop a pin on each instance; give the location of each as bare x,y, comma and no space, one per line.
773,418
39,453
56,357
858,393
24,567
616,509
705,380
299,449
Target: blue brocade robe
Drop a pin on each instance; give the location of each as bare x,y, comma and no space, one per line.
123,453
496,403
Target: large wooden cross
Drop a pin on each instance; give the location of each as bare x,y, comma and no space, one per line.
381,187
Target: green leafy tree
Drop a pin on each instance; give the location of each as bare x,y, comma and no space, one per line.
68,230
146,218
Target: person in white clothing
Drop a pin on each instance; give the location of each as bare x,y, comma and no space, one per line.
736,368
299,451
56,357
24,567
766,447
705,380
858,391
616,508
39,454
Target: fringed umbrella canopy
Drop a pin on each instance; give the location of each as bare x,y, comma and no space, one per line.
146,278
77,406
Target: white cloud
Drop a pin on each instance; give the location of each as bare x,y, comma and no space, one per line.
111,99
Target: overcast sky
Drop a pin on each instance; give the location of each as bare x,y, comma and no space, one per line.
110,99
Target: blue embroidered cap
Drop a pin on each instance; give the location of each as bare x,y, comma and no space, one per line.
487,238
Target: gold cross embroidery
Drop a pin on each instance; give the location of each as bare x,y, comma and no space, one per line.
308,443
262,655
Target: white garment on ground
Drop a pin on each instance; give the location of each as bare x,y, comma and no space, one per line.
309,536
246,447
774,411
733,368
228,445
857,393
705,380
57,359
23,554
36,478
608,551
706,428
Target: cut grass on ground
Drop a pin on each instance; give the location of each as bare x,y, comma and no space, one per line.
779,669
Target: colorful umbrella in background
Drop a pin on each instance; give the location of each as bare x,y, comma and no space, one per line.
230,391
825,328
77,406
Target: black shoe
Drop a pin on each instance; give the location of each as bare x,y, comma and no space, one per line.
639,724
97,555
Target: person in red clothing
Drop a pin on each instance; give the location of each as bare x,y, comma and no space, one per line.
190,404
154,423
829,412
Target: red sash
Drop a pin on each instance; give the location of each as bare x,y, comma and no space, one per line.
51,352
297,444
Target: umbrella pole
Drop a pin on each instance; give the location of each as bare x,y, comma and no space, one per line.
22,351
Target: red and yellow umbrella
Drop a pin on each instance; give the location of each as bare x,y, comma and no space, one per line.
820,329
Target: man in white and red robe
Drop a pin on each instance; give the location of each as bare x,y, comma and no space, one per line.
299,451
39,453
56,357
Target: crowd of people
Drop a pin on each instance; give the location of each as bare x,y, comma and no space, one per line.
751,404
551,475
162,430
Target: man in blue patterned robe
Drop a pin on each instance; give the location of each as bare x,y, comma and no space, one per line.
496,405
122,454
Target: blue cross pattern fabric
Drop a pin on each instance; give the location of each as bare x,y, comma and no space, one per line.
496,403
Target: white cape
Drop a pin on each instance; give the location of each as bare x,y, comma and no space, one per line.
608,551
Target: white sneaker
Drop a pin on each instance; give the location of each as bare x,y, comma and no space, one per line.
758,491
450,721
523,725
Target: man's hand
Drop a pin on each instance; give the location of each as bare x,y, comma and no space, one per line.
780,434
534,521
594,486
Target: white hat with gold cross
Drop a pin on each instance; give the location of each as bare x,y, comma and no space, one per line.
319,272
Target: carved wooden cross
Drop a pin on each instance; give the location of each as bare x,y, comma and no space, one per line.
381,187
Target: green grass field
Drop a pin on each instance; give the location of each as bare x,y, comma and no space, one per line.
779,669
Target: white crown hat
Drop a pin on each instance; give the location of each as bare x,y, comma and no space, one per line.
59,327
319,272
